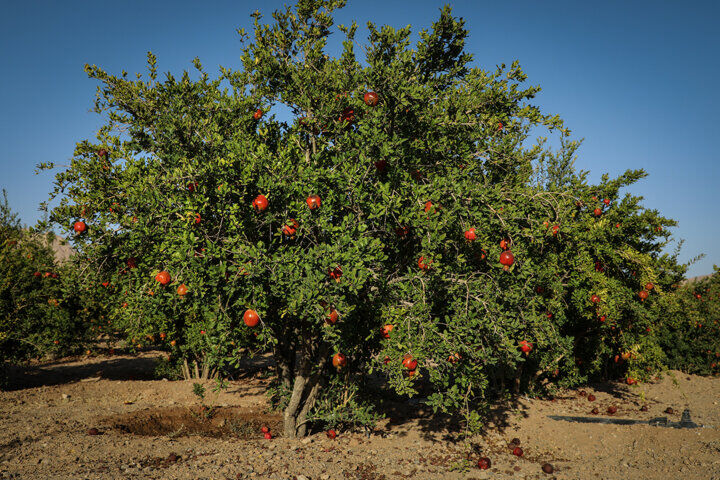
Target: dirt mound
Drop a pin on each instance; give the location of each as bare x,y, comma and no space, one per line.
219,422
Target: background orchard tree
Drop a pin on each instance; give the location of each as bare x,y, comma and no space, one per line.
407,219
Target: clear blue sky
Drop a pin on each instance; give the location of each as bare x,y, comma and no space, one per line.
637,80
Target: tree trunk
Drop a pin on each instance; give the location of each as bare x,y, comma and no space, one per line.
306,386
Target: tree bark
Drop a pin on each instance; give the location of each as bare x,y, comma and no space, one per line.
306,386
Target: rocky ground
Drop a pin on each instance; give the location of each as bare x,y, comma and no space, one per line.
45,419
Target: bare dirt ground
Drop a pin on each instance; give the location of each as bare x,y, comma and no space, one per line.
45,418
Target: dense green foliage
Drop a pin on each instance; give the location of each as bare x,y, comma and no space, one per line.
418,188
40,313
689,333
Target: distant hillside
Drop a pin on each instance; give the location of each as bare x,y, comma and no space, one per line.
61,247
695,279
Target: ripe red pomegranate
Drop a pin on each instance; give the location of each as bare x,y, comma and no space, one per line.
313,202
643,294
649,286
507,259
504,244
251,318
424,264
331,434
79,227
526,347
333,317
260,203
484,463
597,212
163,277
291,227
409,362
268,436
612,409
335,273
591,398
265,429
386,329
182,290
606,201
547,468
470,234
594,299
371,99
339,360
518,452
258,114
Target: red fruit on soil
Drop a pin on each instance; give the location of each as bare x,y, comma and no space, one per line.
630,381
644,408
339,360
643,294
380,165
93,431
597,212
251,318
507,259
182,290
612,410
386,329
313,201
258,114
594,299
79,227
595,411
268,436
163,277
582,393
409,362
332,318
649,286
669,410
470,234
371,99
591,398
547,468
260,203
265,429
423,264
331,434
518,452
484,463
